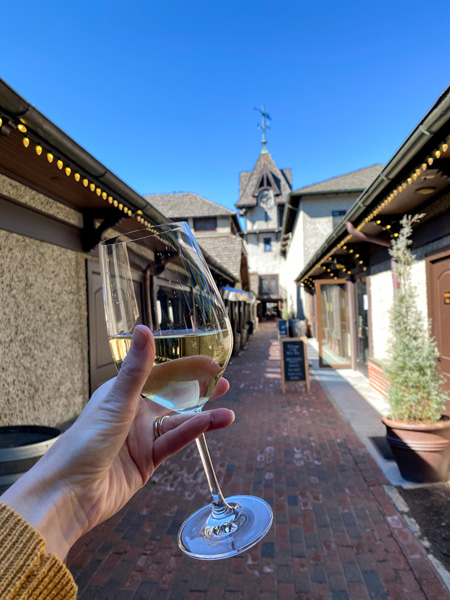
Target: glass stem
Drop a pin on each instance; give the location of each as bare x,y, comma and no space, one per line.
220,508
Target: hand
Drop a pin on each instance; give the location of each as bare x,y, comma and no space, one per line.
109,453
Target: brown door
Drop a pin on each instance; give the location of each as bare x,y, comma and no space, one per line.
438,272
333,320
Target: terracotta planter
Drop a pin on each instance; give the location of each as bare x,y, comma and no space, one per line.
422,451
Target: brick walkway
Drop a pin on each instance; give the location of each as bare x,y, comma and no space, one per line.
336,534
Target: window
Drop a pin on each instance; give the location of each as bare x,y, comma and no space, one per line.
337,217
267,244
205,224
280,215
268,285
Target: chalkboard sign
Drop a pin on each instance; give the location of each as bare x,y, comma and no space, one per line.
282,327
294,361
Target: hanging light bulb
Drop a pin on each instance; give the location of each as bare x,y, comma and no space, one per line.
60,164
50,157
26,142
77,176
92,187
68,171
38,150
85,182
21,128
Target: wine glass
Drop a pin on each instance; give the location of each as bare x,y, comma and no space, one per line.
159,277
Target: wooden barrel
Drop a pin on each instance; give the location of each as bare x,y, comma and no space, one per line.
21,446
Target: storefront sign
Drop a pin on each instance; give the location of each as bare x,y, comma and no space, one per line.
282,327
446,297
294,362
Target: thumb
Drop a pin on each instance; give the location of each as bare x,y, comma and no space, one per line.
137,365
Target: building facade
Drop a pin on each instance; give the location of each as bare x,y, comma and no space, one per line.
311,214
351,278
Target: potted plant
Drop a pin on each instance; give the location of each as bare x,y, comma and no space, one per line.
416,429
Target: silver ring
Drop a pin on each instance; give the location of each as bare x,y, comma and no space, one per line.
157,426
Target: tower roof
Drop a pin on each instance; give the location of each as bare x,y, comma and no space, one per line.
265,175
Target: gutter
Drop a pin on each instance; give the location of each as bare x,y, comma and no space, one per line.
431,124
17,108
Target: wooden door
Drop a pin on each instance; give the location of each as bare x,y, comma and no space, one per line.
438,272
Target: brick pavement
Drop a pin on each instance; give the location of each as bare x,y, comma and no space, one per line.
336,534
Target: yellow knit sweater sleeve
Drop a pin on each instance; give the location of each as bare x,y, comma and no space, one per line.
26,571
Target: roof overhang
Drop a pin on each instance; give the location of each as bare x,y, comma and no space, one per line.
34,151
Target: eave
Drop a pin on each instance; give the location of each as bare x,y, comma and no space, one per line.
35,152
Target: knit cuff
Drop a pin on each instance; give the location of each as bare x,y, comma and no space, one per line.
25,570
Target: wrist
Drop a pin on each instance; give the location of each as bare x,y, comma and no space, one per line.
49,507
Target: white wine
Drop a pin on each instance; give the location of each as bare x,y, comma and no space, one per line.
188,365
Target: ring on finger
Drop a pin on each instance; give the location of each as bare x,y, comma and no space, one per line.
157,426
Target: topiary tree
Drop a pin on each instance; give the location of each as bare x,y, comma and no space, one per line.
415,392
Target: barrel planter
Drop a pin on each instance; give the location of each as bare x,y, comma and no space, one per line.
21,446
421,450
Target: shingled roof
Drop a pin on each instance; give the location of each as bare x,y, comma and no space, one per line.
226,250
248,181
181,205
356,181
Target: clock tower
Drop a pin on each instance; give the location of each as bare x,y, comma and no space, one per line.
262,198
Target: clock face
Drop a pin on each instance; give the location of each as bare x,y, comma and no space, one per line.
266,198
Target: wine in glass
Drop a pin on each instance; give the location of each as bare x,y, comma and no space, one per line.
159,277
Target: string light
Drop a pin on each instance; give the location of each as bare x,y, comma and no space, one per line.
77,176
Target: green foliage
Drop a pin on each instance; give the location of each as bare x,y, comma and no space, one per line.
415,392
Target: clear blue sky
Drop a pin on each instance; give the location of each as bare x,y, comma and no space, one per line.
163,93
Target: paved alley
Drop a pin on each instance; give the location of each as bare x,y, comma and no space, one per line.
336,533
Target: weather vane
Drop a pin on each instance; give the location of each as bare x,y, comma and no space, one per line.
264,117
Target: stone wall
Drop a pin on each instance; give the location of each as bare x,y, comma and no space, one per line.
43,321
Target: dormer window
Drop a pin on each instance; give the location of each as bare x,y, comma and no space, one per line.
205,223
268,181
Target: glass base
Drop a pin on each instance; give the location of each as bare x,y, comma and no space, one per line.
208,536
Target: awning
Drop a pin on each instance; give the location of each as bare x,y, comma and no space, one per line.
235,295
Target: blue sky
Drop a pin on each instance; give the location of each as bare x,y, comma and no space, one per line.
163,93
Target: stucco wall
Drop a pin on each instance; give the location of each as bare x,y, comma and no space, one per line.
43,332
317,223
262,262
381,295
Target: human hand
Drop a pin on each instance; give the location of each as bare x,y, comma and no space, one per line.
109,453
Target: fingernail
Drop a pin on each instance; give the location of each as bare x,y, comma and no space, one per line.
138,340
234,416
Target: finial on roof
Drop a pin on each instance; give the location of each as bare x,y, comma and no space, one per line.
264,116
